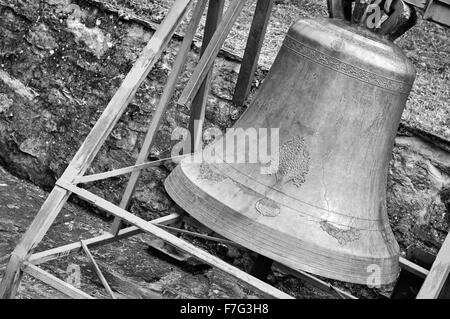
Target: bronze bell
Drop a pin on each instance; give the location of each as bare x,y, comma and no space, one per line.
336,92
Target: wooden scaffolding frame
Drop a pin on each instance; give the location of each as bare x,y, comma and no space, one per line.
217,27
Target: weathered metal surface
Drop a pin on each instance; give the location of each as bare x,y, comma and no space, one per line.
336,93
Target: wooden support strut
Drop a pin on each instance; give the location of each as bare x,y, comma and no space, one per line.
162,106
125,170
252,50
438,11
97,270
438,275
197,116
413,268
207,60
88,150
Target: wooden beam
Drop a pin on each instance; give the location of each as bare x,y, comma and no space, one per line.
254,44
438,274
88,150
125,170
63,251
54,282
162,106
207,60
198,107
175,241
97,270
413,268
438,11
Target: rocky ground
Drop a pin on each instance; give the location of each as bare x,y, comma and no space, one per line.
62,60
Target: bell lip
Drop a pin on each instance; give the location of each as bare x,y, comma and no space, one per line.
178,183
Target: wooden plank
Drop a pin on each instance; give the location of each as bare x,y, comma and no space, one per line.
198,107
207,60
413,268
421,4
438,11
55,282
438,274
97,270
162,106
254,44
125,170
63,251
175,241
83,158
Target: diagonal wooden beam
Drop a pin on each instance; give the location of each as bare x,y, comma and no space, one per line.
413,268
97,270
252,50
162,106
438,11
207,60
199,235
125,170
439,272
198,107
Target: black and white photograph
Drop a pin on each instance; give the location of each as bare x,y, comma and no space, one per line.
212,156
